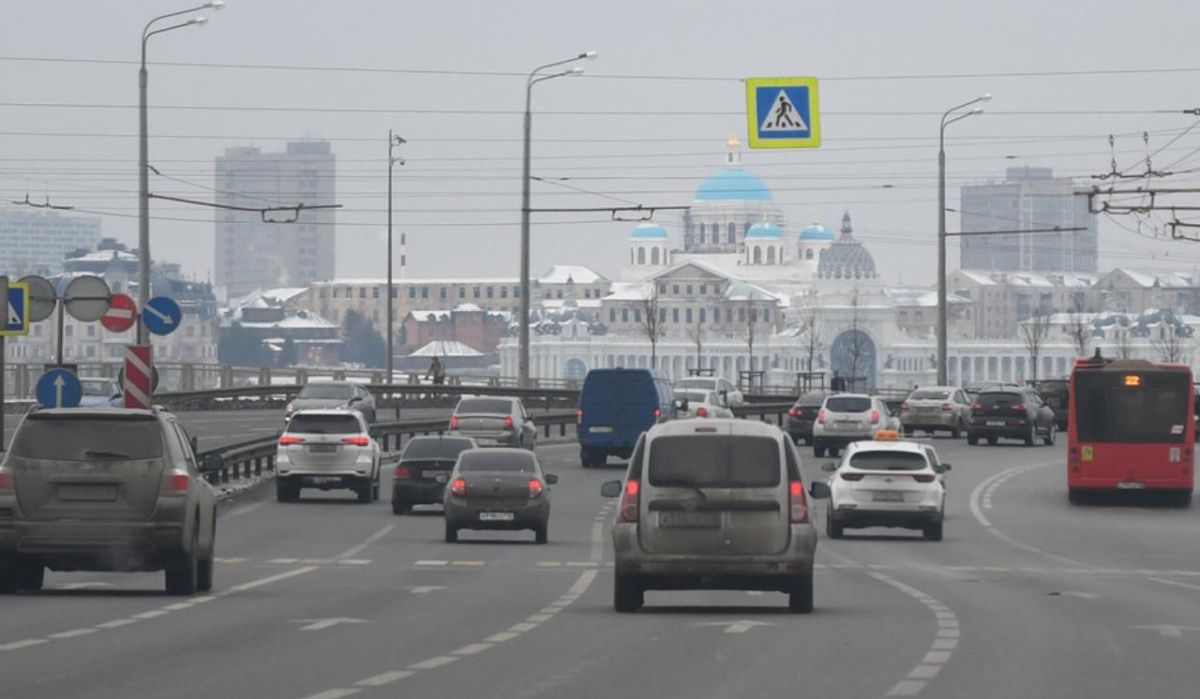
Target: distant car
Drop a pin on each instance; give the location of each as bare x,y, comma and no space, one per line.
1055,392
501,489
697,402
424,470
803,415
327,449
849,417
716,384
106,490
333,394
713,505
615,407
1011,413
100,393
936,409
886,483
494,422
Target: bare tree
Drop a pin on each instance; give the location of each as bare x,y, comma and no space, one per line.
1078,328
812,334
751,320
1168,344
651,322
696,334
1033,334
857,346
1122,341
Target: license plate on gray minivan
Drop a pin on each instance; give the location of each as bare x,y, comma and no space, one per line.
689,520
87,491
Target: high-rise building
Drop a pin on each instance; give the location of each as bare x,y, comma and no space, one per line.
253,253
38,241
1030,198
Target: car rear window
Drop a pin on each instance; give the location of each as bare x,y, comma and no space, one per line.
714,461
486,406
324,424
812,398
888,461
435,448
695,396
991,399
490,460
326,391
848,405
695,383
929,395
87,438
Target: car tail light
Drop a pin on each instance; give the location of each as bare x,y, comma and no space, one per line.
657,413
852,476
701,412
578,417
536,489
458,488
923,478
947,407
289,439
903,407
176,482
403,472
6,480
454,422
793,411
359,441
799,503
874,417
1018,406
976,408
508,422
629,502
821,416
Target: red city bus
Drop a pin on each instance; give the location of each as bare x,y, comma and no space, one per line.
1130,428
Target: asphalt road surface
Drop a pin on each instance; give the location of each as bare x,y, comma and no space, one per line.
1027,596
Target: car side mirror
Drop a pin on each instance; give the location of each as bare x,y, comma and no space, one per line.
829,466
945,466
211,462
611,489
551,479
819,490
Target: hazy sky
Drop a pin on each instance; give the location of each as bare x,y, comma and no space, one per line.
647,124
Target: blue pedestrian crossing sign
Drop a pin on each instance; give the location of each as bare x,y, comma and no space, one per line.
783,113
161,315
16,312
59,388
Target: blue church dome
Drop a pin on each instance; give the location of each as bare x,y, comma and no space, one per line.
649,231
816,232
764,229
733,184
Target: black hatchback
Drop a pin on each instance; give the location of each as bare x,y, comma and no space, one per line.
1011,413
424,469
802,415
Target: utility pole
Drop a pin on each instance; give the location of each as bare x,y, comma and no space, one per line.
393,141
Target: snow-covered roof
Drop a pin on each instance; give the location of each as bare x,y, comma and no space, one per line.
580,303
1159,279
1029,279
446,348
382,281
561,274
309,320
630,291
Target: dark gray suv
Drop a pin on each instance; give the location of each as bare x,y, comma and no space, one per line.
106,490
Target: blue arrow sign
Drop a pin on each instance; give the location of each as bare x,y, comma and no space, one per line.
161,315
59,388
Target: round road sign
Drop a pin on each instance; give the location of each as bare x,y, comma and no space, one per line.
87,298
121,314
59,388
42,297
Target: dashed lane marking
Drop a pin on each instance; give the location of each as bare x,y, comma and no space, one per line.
941,649
385,678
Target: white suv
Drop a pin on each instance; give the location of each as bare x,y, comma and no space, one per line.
327,449
886,483
849,417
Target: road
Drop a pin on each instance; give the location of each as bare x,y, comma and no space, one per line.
1026,597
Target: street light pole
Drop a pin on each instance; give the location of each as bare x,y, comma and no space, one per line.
942,377
393,141
143,335
533,79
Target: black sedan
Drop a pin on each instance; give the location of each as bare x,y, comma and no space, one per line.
424,470
498,489
803,414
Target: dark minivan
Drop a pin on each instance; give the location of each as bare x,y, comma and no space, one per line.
1011,413
615,407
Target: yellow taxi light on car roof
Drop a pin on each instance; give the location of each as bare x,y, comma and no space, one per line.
886,435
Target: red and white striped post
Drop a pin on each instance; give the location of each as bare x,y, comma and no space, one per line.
137,382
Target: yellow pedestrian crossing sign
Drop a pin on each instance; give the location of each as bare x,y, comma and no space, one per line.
783,112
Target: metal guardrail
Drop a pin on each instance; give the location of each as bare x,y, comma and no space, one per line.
387,397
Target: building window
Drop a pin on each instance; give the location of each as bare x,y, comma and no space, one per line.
624,315
662,315
732,232
741,315
412,292
362,292
476,292
674,315
689,289
490,291
504,292
688,316
808,254
92,330
424,292
662,288
675,289
702,234
375,292
516,292
702,314
641,256
442,294
637,315
704,289
612,315
70,330
462,292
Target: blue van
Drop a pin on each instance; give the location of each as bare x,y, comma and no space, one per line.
615,407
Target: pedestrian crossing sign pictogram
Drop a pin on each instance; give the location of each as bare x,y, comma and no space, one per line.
17,310
783,112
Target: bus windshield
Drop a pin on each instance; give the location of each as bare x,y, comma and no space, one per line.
1133,406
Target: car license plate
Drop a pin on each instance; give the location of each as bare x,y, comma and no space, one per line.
322,448
689,520
995,423
845,424
600,429
1130,485
887,496
87,491
322,480
495,516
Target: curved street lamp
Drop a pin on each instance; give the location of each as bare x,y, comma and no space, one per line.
534,78
148,31
949,117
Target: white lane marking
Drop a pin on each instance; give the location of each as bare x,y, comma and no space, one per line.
433,663
178,607
468,564
471,649
152,614
266,581
334,694
940,650
385,678
117,623
522,627
355,550
502,637
82,586
72,634
1167,630
17,645
244,510
426,589
1175,583
431,563
322,624
1080,595
741,626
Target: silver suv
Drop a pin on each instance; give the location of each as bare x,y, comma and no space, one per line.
713,504
106,489
849,417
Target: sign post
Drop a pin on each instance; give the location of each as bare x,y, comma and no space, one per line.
137,377
3,369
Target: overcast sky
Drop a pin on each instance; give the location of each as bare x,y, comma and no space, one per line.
669,70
